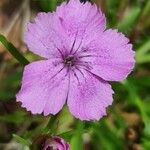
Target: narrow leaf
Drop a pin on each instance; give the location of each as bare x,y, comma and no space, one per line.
13,50
21,140
129,20
77,141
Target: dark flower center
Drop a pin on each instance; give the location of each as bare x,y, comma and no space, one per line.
70,61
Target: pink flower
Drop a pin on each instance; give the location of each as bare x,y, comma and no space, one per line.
81,56
46,142
56,143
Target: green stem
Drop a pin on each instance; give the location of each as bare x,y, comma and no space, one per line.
13,50
51,127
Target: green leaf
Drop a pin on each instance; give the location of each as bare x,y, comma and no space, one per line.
15,117
21,140
48,5
10,86
134,98
144,48
143,59
146,144
13,50
142,54
112,8
146,9
77,141
129,20
105,136
67,135
141,81
51,126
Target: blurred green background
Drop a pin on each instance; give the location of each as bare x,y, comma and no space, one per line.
127,125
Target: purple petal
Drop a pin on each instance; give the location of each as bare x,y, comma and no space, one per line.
44,87
73,21
56,143
80,21
45,35
89,97
113,57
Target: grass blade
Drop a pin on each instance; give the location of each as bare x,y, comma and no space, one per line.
13,50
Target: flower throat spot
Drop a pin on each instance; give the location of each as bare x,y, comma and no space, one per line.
69,61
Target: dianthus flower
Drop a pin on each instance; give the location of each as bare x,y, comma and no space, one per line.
56,143
46,142
81,56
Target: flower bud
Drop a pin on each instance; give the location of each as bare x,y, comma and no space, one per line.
56,143
46,142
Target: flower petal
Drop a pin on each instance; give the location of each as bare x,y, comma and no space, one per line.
45,35
113,57
44,87
81,20
89,96
72,22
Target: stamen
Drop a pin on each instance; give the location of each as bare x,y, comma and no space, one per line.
80,71
74,73
70,61
73,43
87,56
60,52
84,64
78,47
54,75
